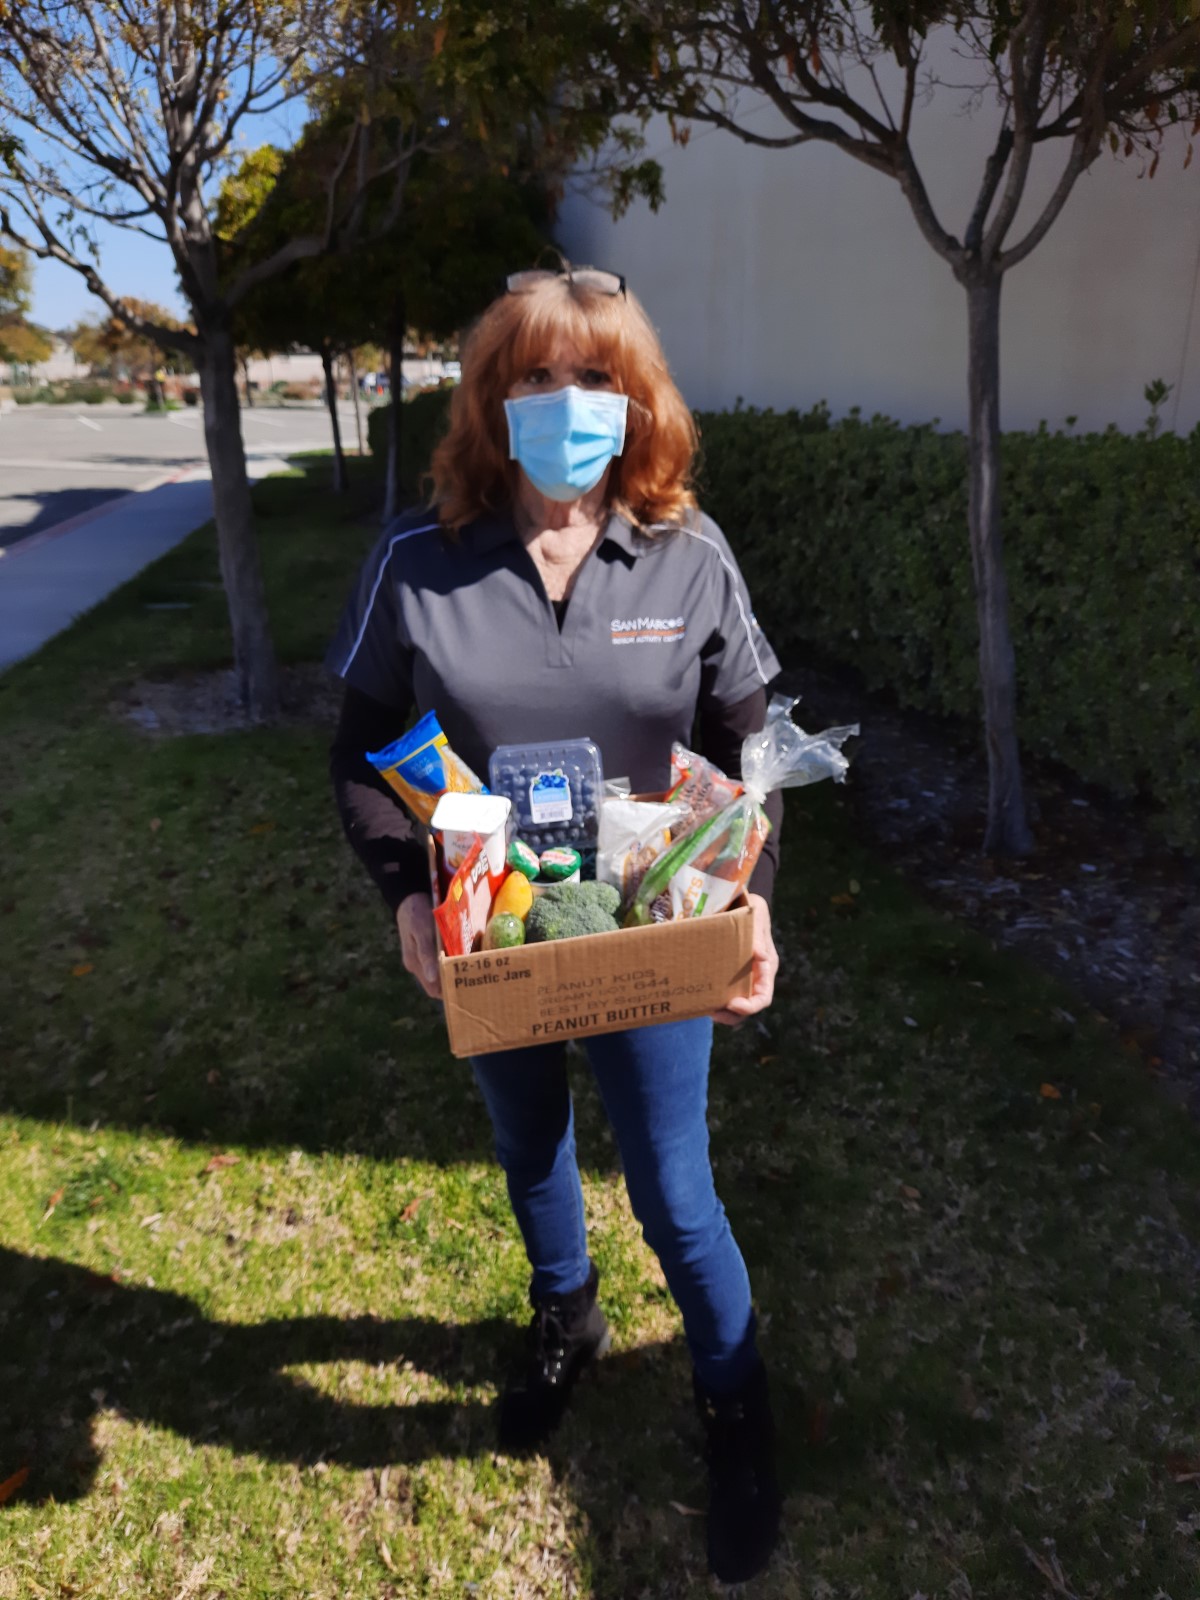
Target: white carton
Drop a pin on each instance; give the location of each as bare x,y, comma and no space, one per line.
459,817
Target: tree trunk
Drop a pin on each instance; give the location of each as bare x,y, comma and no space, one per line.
253,652
339,460
391,496
1007,829
357,409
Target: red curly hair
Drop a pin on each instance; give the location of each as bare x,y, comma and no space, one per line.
650,482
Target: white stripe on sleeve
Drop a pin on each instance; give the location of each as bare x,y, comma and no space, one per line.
737,594
396,539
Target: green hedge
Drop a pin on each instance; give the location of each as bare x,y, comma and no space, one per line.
421,426
853,539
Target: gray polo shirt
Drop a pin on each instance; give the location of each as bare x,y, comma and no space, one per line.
657,628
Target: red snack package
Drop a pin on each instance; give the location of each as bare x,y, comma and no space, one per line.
463,914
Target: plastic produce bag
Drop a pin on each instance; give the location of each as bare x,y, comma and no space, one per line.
633,834
708,867
699,786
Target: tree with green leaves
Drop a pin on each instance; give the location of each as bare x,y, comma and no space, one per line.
465,223
21,341
127,111
120,341
1067,80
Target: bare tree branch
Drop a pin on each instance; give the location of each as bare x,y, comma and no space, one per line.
1084,151
1027,51
118,86
300,248
53,249
992,173
1181,46
915,192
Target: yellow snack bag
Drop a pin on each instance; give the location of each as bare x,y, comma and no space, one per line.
420,766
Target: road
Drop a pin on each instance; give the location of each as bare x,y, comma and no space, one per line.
89,496
59,461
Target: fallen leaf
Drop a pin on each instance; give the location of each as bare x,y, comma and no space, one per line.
155,824
1049,1092
82,970
10,1485
51,1203
684,1511
386,1556
217,1162
148,1222
262,827
213,1076
909,1193
855,886
411,1209
841,899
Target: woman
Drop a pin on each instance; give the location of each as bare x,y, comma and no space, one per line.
563,584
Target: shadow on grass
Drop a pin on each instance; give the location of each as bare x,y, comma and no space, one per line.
77,1345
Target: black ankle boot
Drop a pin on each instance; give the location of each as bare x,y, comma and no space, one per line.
744,1499
567,1331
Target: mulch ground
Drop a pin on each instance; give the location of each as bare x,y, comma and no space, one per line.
1103,901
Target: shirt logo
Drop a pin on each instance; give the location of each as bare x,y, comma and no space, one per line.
647,630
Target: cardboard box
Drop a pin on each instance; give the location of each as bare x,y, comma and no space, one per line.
573,988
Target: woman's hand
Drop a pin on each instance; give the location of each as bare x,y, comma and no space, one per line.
765,966
418,943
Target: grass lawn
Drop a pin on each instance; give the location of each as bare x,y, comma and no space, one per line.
258,1275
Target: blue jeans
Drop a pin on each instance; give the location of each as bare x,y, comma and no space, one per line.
654,1085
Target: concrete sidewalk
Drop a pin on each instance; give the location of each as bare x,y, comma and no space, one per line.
52,577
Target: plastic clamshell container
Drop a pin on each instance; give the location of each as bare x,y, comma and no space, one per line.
555,789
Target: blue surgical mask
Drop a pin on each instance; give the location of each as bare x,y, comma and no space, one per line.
565,440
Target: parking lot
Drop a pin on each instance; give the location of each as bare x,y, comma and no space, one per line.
90,495
59,461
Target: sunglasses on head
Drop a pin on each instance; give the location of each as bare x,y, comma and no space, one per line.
587,278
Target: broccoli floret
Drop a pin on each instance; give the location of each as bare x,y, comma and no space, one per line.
604,895
565,913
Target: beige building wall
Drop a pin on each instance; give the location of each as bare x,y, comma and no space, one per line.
791,276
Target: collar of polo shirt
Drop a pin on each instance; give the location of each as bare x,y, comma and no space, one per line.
489,532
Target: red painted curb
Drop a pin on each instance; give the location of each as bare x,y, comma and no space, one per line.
44,535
